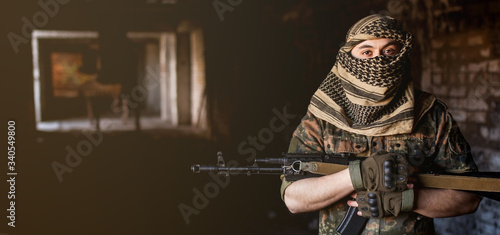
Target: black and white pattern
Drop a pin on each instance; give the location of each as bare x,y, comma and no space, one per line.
369,93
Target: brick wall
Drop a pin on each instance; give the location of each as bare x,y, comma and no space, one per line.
460,62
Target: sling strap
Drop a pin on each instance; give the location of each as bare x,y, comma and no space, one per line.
488,183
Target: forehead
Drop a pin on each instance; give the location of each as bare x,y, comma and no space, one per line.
379,42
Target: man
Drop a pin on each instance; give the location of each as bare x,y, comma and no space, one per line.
367,106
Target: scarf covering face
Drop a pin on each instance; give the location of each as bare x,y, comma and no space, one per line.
373,96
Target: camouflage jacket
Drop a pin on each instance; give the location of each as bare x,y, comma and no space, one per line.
435,142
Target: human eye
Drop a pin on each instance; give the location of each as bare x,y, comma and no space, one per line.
391,51
366,53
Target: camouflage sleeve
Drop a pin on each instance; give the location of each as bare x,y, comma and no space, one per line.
307,138
453,150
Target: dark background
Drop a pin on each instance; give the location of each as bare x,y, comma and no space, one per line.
263,55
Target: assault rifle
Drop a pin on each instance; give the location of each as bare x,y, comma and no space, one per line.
298,166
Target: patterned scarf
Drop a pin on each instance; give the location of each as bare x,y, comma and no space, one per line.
373,96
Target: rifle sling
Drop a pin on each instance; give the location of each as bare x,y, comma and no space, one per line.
468,183
322,168
457,182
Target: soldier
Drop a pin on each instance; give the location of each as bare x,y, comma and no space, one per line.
368,106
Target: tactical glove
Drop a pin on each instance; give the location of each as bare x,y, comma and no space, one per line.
380,204
383,171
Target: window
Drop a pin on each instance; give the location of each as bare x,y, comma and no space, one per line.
169,84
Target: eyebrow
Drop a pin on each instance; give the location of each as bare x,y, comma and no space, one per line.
395,43
365,46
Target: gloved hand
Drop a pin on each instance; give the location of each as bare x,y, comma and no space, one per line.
380,204
383,171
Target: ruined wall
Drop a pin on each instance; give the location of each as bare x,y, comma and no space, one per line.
459,50
261,56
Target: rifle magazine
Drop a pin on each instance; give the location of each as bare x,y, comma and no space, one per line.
352,223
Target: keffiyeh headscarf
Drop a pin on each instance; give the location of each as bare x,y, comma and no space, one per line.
371,96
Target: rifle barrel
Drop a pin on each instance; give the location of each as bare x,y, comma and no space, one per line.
237,170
